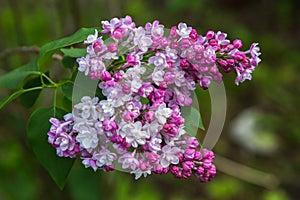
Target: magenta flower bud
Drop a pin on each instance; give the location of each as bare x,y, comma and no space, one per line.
173,32
239,56
146,89
213,42
112,47
191,56
110,83
207,154
185,43
143,166
149,116
174,45
128,116
222,62
117,77
157,103
200,170
170,129
153,157
116,139
175,170
158,169
166,170
187,165
163,85
126,89
213,171
226,69
245,62
210,34
189,154
206,163
197,155
97,46
159,94
131,59
192,143
204,83
237,44
109,125
169,77
187,174
118,34
184,64
105,76
180,157
214,70
230,62
92,164
194,35
198,48
108,168
170,65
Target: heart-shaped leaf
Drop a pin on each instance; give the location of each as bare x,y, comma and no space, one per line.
37,129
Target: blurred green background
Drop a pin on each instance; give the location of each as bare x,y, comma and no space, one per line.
258,154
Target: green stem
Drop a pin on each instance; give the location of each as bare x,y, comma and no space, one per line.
17,94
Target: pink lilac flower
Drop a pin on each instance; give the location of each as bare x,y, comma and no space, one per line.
146,76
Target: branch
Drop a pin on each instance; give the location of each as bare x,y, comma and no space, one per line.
25,49
246,173
19,50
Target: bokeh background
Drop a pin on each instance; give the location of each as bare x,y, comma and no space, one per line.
258,153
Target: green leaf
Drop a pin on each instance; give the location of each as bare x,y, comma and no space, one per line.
13,79
11,98
29,98
50,48
144,100
67,90
16,94
38,126
82,86
74,52
68,62
193,119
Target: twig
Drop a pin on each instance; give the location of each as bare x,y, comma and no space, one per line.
18,50
246,173
25,49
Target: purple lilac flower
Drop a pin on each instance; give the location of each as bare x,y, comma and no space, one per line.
146,76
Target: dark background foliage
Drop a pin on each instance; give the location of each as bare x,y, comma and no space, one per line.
264,165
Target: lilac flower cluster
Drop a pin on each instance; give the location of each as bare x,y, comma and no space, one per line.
146,75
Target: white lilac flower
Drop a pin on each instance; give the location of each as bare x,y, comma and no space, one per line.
104,157
144,169
159,60
91,38
134,133
107,107
87,109
154,127
163,113
158,76
183,30
155,143
172,54
83,64
128,161
141,40
169,156
64,142
87,137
